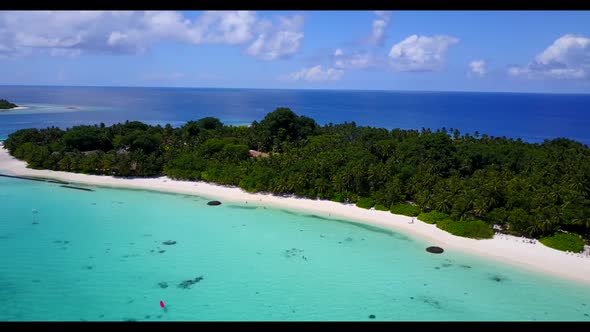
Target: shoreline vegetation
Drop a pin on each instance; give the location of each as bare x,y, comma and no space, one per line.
6,105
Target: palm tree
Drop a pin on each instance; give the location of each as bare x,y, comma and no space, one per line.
534,229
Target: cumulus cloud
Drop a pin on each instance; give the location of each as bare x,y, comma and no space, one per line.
567,58
316,74
421,53
223,27
122,32
345,59
477,67
277,43
380,23
356,60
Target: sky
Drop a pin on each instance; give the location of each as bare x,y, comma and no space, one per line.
507,51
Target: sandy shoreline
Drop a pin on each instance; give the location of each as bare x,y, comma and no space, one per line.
509,250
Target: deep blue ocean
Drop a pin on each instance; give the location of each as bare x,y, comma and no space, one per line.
532,117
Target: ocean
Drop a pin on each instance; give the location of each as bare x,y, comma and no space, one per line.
531,117
71,255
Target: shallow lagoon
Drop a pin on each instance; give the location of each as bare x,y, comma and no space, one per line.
70,255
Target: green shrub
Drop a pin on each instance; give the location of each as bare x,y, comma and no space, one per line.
352,197
432,217
365,203
564,242
475,229
380,207
405,209
339,197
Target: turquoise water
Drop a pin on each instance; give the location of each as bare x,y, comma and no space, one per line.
99,256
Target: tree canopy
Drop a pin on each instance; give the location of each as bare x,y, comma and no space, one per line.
6,105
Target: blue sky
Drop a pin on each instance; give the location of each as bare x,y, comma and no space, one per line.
513,51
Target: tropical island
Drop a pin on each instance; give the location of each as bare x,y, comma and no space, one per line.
467,185
6,105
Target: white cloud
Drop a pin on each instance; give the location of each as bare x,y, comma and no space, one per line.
421,53
69,32
354,61
278,43
317,74
379,25
517,71
477,67
567,58
223,27
338,52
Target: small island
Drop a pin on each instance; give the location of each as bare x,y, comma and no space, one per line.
6,105
466,185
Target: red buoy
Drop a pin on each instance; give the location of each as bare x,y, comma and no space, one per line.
161,304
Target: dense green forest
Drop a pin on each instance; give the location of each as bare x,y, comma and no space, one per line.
463,183
5,104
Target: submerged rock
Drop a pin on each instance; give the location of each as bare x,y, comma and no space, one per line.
188,283
433,303
435,250
169,243
77,188
372,316
497,278
163,284
293,252
214,203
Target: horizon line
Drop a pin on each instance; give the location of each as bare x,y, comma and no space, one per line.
291,89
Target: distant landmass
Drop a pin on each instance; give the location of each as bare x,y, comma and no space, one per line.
6,105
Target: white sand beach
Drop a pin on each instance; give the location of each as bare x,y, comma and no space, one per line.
511,250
